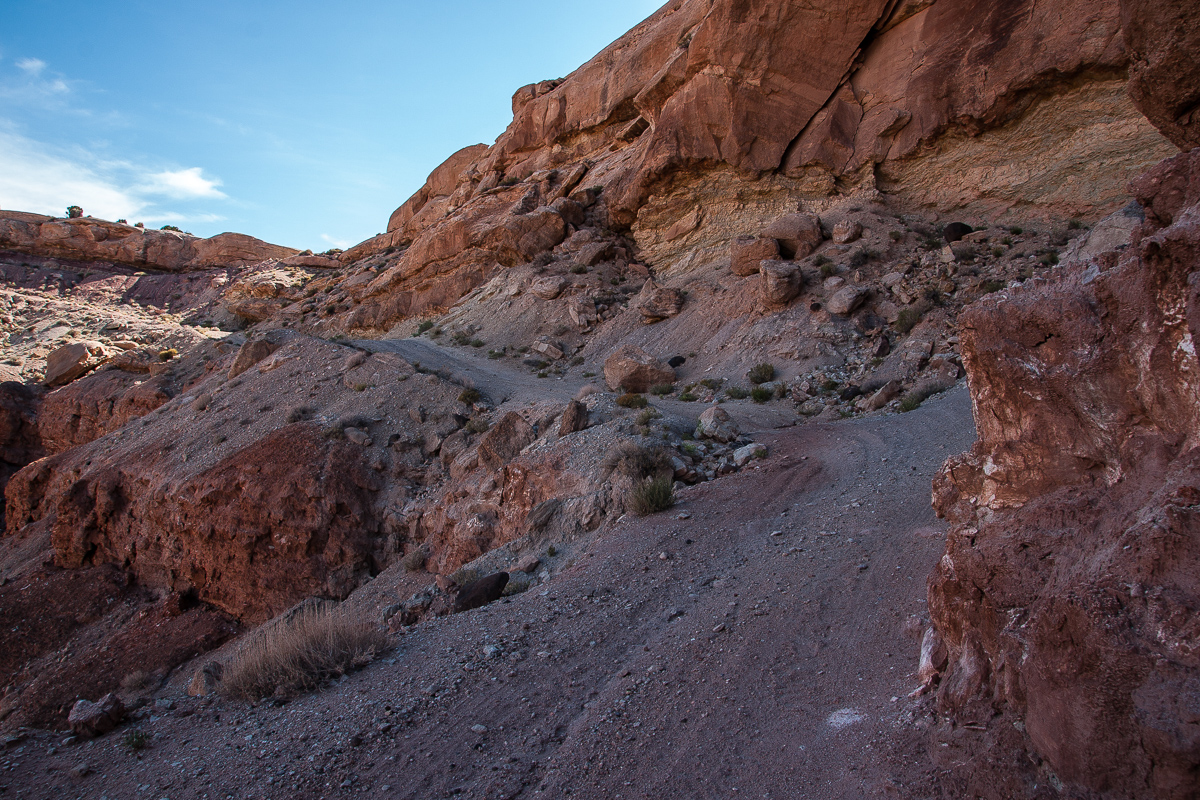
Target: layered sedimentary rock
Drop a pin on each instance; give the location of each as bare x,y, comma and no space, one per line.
88,239
1068,593
712,119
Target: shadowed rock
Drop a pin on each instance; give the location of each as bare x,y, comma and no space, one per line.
481,592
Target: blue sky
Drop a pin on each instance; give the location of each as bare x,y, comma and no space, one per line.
302,123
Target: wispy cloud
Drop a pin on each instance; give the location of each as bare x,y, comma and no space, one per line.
32,66
340,243
36,177
183,184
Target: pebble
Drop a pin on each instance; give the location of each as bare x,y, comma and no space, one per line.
720,627
479,728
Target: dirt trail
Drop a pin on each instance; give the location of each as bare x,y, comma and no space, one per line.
700,657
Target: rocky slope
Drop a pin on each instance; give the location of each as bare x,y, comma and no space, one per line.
735,197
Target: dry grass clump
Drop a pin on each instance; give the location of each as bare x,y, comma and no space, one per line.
652,495
299,654
913,398
634,461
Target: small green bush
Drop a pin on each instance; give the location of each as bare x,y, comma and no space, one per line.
651,496
632,400
687,397
761,373
74,212
135,741
662,389
1075,225
761,394
712,383
822,261
477,343
167,355
828,270
461,338
991,286
171,228
736,393
648,416
576,361
424,326
578,269
1016,230
469,396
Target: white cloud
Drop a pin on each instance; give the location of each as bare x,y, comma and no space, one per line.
35,177
183,184
339,243
33,66
32,179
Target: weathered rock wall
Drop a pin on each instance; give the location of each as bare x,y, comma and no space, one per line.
88,239
711,118
1071,582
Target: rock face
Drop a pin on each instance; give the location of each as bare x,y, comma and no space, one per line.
87,239
632,369
713,120
1163,39
747,252
1068,591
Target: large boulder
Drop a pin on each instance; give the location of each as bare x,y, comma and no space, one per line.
845,300
632,369
89,720
656,302
781,282
505,441
1163,38
716,424
70,361
747,252
798,234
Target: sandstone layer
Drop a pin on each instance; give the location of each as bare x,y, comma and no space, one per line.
1068,591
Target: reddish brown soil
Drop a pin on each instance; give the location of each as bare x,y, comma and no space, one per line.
697,657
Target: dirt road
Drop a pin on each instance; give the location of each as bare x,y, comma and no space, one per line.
748,643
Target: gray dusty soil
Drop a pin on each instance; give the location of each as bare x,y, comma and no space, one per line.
757,640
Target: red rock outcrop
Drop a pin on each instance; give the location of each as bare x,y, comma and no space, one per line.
88,239
1069,588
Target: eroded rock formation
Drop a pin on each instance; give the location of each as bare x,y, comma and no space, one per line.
1068,592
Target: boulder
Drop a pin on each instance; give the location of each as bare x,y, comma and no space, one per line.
574,418
886,394
250,354
716,424
781,282
747,252
73,360
955,231
798,234
847,299
505,440
583,311
552,350
89,720
632,369
206,680
656,303
1163,39
549,287
847,231
744,455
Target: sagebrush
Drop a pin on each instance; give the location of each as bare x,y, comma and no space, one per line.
651,496
299,654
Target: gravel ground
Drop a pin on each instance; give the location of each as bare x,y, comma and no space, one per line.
757,640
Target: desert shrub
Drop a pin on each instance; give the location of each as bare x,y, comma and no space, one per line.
908,319
464,575
736,393
168,354
1075,225
477,424
171,228
298,413
578,269
74,212
687,397
648,416
821,261
761,373
424,326
632,400
299,654
652,495
634,461
991,286
478,343
828,270
662,389
494,354
577,361
997,252
469,396
135,741
1049,258
140,680
919,394
1016,230
896,235
461,338
415,559
761,394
